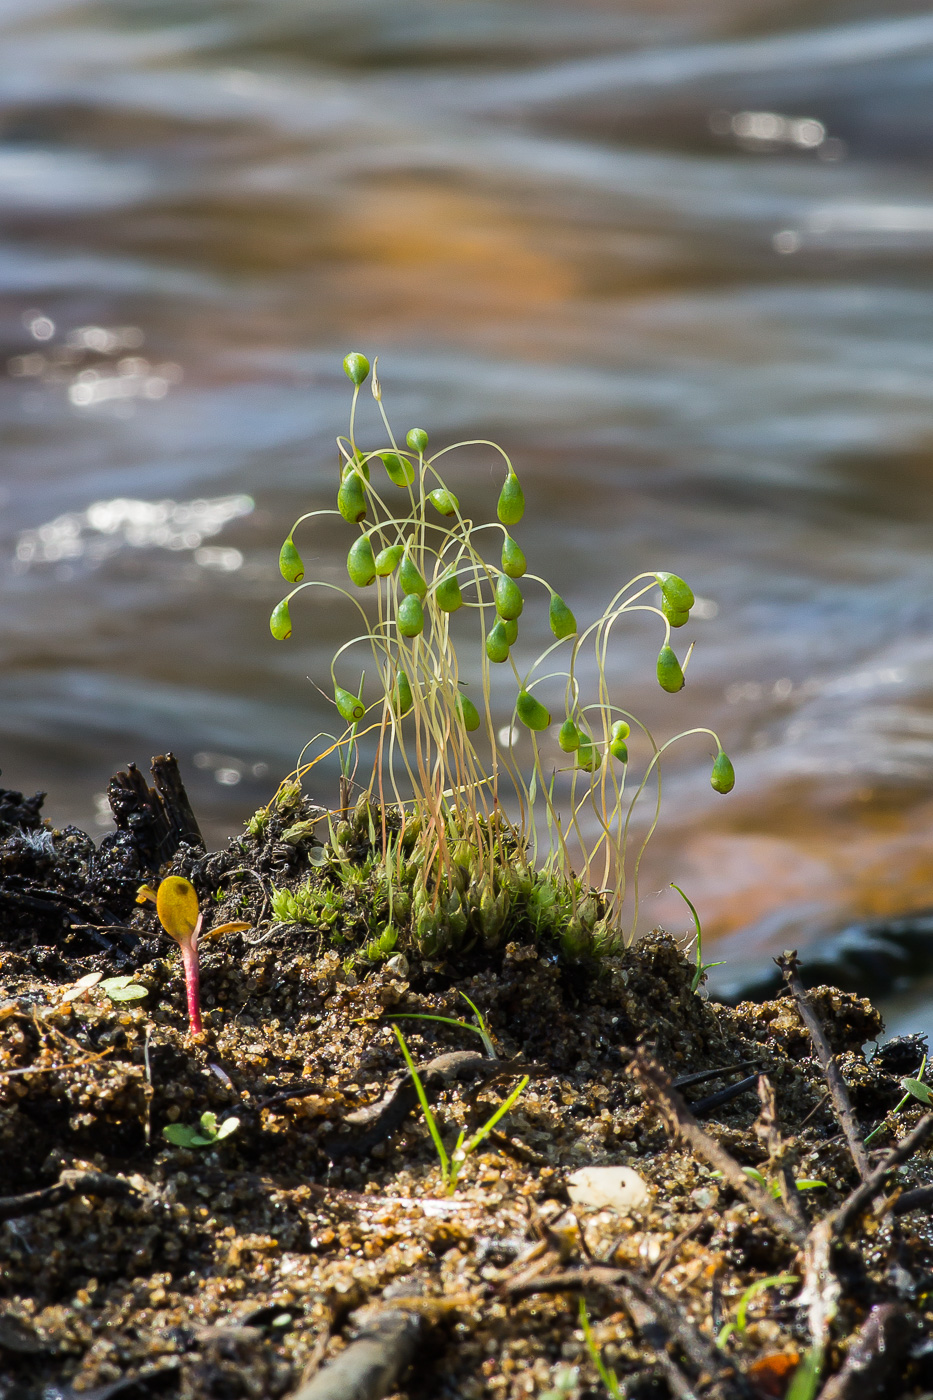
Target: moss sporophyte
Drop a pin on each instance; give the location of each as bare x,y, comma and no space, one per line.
471,828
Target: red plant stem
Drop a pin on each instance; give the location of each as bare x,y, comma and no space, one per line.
189,960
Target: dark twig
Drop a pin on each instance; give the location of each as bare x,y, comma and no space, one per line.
686,1080
869,1188
780,1158
724,1096
372,1363
876,1352
69,1185
654,1314
912,1200
842,1104
681,1123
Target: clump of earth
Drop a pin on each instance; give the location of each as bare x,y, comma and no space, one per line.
239,1265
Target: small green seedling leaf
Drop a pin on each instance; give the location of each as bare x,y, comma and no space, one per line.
123,989
918,1090
177,906
183,1135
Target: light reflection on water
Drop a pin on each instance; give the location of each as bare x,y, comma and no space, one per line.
676,260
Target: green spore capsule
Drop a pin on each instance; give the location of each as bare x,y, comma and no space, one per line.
675,616
510,627
497,646
511,504
563,623
410,577
468,713
361,566
351,498
398,469
387,559
617,745
356,368
678,594
280,623
670,676
531,712
402,699
410,616
417,439
350,706
447,594
621,729
513,558
588,757
290,563
722,777
509,600
359,464
444,501
569,737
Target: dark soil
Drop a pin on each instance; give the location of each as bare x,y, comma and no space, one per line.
229,1271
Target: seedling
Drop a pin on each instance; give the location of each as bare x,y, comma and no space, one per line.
914,1089
442,776
702,967
479,1028
452,1165
608,1377
207,1135
741,1312
773,1188
123,989
176,904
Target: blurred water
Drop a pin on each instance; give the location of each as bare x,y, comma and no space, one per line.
675,257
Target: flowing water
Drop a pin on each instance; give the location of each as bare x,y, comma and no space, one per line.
675,257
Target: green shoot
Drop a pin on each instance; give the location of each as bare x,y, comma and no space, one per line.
208,1135
452,1165
608,1377
741,1312
806,1378
702,968
773,1187
479,1028
915,1089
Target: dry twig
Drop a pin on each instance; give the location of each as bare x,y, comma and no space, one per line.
842,1104
681,1123
69,1185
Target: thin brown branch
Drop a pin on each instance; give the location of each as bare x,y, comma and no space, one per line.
842,1104
876,1352
870,1188
69,1185
372,1363
681,1123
